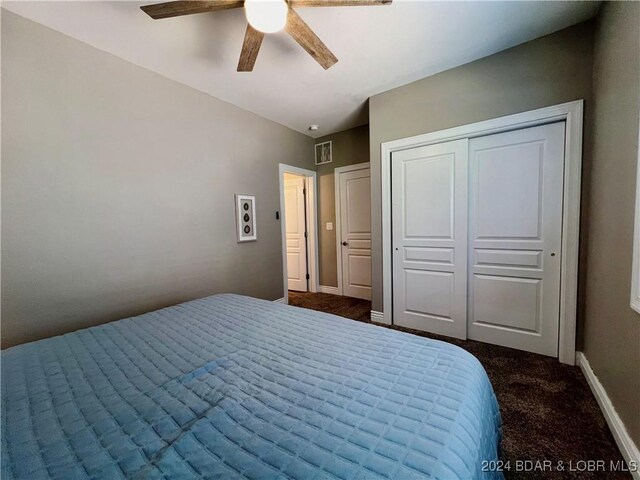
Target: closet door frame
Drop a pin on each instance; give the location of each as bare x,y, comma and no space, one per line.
572,114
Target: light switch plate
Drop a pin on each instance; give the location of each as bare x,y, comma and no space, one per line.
329,225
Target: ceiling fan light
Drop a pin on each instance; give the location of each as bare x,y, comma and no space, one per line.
267,16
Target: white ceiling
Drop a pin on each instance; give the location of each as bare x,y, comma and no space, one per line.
378,48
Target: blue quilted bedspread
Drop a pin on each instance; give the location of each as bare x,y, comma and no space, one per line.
234,387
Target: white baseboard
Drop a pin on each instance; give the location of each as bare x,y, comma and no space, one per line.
378,317
279,300
325,289
626,445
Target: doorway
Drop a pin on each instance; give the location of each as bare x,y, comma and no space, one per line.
297,214
296,233
353,230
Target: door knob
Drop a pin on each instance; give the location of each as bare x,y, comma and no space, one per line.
345,243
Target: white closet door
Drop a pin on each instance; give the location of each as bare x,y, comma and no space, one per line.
429,210
355,232
295,225
515,225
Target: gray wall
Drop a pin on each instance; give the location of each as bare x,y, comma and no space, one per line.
349,147
117,188
547,71
611,327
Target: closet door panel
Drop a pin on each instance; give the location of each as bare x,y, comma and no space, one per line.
429,209
515,226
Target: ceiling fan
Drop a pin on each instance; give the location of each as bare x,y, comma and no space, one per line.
264,16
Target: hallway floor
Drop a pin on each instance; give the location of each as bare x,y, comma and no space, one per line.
348,307
547,408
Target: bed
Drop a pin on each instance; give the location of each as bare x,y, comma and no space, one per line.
234,387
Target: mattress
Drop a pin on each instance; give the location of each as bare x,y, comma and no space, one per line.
234,387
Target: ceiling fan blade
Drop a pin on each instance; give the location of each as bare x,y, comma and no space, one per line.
337,3
250,48
302,33
175,9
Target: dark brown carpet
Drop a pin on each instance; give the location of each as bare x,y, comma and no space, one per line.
548,411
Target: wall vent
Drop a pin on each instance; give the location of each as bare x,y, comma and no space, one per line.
323,153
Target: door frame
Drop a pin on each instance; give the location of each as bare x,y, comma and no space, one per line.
572,114
338,204
312,230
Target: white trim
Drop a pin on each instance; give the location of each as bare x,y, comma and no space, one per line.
312,227
338,204
378,317
635,270
352,168
279,300
571,113
626,445
326,289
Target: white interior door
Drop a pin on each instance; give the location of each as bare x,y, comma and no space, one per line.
295,224
515,225
355,232
429,219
